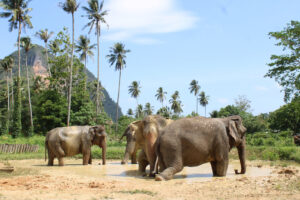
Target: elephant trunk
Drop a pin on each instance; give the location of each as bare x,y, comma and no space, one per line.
103,152
129,150
241,151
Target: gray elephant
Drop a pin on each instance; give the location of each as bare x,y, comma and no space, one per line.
194,141
131,147
69,141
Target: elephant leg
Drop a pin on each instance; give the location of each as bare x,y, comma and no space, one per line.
133,157
86,157
172,163
90,160
168,173
221,167
60,161
214,167
51,157
142,160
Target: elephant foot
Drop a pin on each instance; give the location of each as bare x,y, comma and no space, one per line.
123,162
159,178
152,175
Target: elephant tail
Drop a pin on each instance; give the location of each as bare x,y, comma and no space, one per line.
46,149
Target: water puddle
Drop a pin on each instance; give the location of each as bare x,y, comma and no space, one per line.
114,170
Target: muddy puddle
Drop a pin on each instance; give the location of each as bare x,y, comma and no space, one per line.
113,170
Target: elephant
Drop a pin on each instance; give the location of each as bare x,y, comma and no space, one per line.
69,141
194,141
131,147
145,133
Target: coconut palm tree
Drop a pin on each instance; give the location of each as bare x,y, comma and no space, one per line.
130,112
117,57
194,88
134,90
27,45
85,49
161,96
17,12
45,36
148,109
203,100
70,6
139,111
6,64
96,17
176,103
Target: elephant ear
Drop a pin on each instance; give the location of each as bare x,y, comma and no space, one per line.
99,130
233,132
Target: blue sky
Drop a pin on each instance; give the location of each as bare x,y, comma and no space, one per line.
224,44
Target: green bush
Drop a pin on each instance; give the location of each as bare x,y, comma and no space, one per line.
269,154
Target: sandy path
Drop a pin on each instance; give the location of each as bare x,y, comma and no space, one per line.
34,180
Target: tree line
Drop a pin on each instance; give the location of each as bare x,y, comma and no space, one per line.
65,97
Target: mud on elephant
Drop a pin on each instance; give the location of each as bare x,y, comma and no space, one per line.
143,135
69,141
194,141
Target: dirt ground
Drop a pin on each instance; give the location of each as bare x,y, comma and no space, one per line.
33,180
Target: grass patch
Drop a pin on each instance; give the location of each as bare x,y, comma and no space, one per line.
147,192
115,149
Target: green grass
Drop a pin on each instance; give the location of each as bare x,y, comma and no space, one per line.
147,192
115,150
260,146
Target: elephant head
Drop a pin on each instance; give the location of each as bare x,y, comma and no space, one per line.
98,137
130,145
236,132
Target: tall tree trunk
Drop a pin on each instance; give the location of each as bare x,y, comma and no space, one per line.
71,74
12,88
7,84
8,105
85,71
49,68
196,104
98,69
117,113
17,124
29,97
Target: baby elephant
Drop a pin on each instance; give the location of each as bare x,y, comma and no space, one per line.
69,141
194,141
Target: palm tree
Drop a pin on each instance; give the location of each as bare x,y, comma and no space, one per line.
203,100
17,12
134,90
45,36
96,17
175,103
6,64
27,45
148,109
194,88
161,95
70,6
117,57
85,49
139,111
130,112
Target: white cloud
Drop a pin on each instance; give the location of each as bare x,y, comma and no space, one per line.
261,88
129,19
223,101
